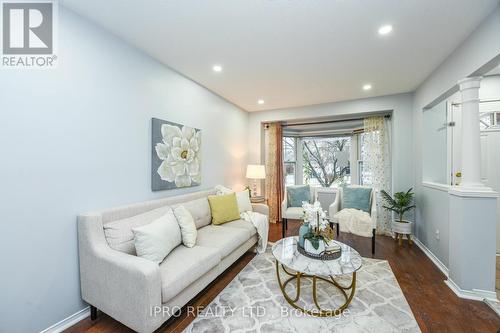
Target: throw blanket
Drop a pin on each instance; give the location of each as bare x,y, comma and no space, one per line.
354,221
260,221
262,225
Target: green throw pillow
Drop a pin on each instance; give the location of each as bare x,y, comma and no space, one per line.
357,198
224,208
296,194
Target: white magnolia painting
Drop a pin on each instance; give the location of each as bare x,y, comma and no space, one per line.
176,155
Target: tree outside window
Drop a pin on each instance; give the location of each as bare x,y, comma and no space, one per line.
326,161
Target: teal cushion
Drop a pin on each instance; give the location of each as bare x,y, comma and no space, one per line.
357,198
297,194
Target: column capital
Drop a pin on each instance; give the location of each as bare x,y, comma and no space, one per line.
470,83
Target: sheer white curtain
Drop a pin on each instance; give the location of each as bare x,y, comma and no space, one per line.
376,156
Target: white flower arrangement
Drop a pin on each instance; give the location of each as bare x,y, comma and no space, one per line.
314,215
320,233
180,153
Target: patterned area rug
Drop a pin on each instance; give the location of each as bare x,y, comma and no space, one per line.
253,302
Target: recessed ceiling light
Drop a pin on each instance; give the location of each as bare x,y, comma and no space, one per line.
385,29
260,101
367,87
217,68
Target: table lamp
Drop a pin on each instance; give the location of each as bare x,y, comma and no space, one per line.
255,172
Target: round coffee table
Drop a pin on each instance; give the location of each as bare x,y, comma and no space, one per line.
288,257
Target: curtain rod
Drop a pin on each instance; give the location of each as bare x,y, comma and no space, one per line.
387,116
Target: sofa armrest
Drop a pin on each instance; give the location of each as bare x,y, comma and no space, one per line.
284,207
123,286
260,208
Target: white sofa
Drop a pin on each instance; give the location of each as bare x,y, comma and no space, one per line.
129,288
337,207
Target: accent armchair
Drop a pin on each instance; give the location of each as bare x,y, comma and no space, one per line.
295,213
337,207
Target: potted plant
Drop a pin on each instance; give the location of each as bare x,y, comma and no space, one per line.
315,234
400,204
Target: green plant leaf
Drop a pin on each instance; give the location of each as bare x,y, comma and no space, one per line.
401,202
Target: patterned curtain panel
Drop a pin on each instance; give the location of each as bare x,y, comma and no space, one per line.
274,171
377,165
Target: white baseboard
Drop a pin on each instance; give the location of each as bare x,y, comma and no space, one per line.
439,264
68,322
492,304
475,294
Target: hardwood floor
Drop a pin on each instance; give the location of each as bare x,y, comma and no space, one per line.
435,306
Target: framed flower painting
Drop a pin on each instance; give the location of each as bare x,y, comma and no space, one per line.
176,155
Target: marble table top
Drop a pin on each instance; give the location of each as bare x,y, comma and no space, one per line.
285,251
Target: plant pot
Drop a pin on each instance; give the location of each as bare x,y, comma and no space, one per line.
404,227
308,247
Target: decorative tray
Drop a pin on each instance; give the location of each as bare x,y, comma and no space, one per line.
326,255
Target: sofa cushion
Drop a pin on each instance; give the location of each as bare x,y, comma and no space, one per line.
184,266
224,239
154,241
242,224
293,213
187,225
297,194
242,197
243,200
357,198
119,233
200,211
224,208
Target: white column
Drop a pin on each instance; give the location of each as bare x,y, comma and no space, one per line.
471,145
471,211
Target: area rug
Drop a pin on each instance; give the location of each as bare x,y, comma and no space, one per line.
253,302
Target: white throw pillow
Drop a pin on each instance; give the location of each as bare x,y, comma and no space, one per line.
242,197
243,200
187,225
155,240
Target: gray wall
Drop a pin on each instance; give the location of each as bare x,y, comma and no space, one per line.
402,140
77,138
432,204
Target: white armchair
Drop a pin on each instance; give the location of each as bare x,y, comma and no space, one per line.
337,207
294,213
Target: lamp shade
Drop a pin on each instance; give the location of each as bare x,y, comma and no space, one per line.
255,171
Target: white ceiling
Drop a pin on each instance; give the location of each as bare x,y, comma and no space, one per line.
293,52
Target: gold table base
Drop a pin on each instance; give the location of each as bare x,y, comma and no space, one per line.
319,312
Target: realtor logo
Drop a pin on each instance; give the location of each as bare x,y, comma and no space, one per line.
28,34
